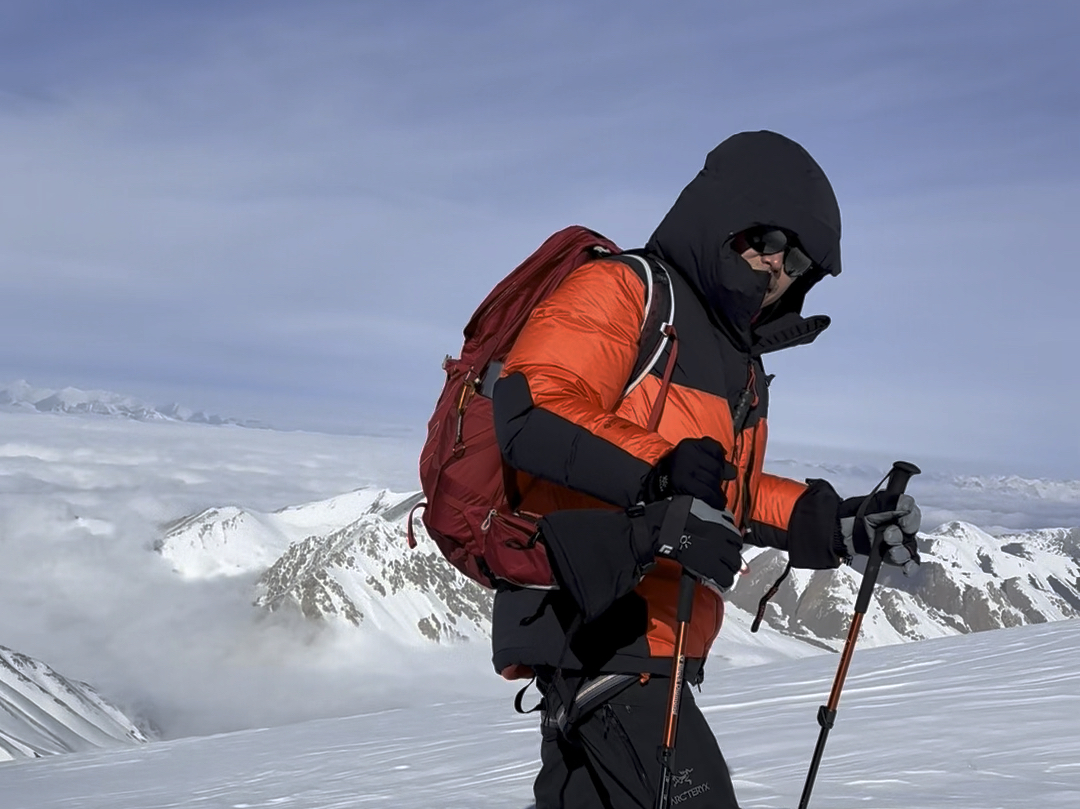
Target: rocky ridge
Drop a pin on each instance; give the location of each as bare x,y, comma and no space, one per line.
343,560
969,581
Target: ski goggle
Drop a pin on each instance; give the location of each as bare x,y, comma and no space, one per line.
769,241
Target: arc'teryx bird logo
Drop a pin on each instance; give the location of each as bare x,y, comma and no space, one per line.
683,779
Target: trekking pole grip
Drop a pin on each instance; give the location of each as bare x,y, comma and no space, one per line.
899,475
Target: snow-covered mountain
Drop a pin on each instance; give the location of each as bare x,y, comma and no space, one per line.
339,560
42,712
22,396
345,560
969,581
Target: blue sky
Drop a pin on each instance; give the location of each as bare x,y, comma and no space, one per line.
287,211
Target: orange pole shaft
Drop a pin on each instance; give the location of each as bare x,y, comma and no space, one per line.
675,689
845,662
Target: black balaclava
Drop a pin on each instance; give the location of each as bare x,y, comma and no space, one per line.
753,178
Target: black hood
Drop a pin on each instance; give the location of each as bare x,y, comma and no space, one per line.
753,178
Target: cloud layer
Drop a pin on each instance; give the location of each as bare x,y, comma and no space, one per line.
83,500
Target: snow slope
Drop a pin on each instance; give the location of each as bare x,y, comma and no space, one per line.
45,713
983,721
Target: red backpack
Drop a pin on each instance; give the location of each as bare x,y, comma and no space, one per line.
465,480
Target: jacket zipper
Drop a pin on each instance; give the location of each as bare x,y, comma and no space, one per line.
746,401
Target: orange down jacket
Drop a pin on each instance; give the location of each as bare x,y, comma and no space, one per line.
577,352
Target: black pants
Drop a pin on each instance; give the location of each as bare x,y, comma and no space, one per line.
607,757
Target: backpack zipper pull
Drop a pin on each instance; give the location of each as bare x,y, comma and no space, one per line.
459,435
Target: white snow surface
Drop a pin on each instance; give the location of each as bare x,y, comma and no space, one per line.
983,721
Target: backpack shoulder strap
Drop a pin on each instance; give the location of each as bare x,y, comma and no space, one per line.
657,330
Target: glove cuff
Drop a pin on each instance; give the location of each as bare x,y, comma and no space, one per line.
813,527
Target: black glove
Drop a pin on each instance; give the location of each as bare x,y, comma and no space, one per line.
697,467
709,548
900,523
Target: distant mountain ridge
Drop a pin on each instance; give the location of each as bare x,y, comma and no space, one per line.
1065,491
22,396
998,503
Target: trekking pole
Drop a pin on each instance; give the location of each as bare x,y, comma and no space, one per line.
898,478
678,674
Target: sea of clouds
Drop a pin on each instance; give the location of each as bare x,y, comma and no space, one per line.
83,499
